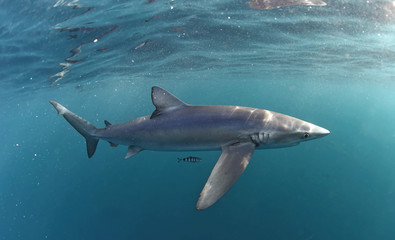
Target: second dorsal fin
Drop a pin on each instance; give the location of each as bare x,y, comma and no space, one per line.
164,101
107,123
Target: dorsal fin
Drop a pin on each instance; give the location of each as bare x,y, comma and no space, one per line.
164,101
107,123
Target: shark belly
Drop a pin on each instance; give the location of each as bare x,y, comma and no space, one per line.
184,139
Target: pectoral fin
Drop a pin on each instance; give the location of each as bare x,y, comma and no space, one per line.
231,164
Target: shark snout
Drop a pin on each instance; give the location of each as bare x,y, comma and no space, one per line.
325,132
317,132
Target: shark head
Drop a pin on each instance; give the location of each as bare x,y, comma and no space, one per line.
311,131
285,131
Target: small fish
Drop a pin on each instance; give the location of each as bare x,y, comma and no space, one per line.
151,18
102,49
141,45
190,159
178,29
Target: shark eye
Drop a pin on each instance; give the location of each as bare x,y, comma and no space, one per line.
306,135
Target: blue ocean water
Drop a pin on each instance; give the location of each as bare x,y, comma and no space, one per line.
333,66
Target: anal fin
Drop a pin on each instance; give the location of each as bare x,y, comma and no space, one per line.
229,167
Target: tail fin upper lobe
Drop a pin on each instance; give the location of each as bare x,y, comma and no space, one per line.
85,128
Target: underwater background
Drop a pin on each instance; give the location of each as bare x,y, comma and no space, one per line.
331,65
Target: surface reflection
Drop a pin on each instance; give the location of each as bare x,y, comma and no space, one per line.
85,35
271,4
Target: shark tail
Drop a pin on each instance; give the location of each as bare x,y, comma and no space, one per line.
85,128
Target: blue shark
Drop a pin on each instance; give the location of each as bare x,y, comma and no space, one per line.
177,126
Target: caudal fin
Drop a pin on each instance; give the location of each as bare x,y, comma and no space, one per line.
85,128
